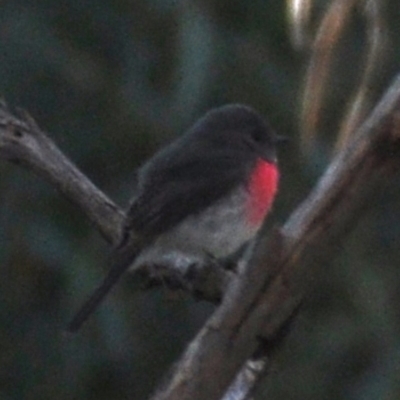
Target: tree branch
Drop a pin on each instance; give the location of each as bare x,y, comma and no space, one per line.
23,143
268,287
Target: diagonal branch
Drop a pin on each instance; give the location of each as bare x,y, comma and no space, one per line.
268,289
22,142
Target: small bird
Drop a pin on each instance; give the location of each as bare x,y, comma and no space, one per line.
206,194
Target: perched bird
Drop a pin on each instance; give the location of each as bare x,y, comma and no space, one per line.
207,193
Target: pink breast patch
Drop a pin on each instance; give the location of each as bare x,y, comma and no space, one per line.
262,188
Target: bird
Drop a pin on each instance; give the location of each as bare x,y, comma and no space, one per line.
205,194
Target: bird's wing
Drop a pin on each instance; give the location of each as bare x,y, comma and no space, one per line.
183,187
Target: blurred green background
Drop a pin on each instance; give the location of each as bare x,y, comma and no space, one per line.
114,80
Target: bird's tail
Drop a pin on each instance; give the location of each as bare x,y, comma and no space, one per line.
121,260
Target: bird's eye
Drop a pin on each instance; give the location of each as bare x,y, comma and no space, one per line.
257,135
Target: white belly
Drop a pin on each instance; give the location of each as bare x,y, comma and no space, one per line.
219,231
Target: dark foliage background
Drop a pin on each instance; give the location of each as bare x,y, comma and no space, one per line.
114,80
